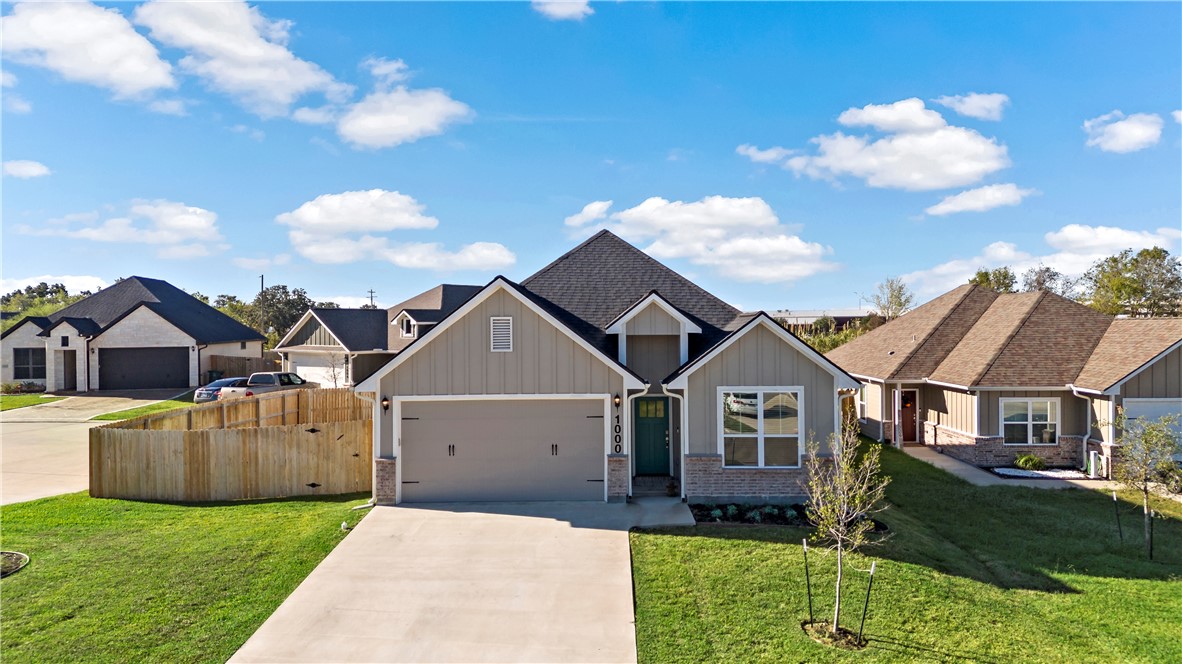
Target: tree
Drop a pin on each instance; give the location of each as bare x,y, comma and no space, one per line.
892,298
336,368
40,300
999,279
369,306
200,296
234,308
1147,449
1147,283
843,493
276,309
1043,278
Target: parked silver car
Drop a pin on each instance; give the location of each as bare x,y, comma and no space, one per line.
210,392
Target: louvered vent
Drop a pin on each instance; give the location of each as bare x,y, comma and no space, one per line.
502,334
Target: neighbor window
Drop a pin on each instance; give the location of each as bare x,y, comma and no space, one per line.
407,326
65,341
28,363
1030,421
501,333
241,345
862,403
760,427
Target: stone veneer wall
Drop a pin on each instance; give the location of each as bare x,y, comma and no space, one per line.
385,481
617,477
989,451
707,481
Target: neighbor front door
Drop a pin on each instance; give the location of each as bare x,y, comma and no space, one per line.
907,411
652,435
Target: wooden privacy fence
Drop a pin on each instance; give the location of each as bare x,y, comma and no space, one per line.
292,443
232,367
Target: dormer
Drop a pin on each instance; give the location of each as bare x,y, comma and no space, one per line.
653,315
408,327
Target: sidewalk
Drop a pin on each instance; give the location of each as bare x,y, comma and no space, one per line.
978,477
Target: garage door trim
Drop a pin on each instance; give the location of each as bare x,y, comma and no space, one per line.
396,417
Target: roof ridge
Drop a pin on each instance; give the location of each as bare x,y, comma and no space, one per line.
1013,333
915,347
549,266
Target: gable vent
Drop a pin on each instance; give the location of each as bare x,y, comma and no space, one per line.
501,328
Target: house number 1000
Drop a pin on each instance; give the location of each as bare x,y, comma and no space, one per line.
617,447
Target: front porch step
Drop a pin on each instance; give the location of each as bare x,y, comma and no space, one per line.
647,486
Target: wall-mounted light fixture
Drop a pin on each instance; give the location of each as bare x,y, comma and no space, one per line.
386,404
616,400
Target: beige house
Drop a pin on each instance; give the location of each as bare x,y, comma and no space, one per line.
984,377
603,375
137,334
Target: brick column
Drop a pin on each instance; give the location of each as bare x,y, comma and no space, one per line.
385,480
617,477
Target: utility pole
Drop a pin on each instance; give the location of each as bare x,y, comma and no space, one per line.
261,289
371,294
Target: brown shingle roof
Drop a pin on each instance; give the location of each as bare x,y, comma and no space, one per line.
1128,344
986,339
935,327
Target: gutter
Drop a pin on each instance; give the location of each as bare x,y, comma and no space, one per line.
628,418
683,443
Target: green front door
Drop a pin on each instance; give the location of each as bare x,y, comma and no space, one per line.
651,416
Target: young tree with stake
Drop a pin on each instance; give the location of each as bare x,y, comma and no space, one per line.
844,491
1147,449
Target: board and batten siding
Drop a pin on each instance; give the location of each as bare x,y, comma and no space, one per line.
871,423
1160,380
759,358
653,357
653,320
1098,419
952,409
313,333
1072,411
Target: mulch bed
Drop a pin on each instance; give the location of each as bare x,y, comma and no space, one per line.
11,562
844,638
762,515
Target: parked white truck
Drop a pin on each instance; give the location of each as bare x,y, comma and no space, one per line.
267,381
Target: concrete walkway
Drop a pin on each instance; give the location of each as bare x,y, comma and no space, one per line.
473,582
979,477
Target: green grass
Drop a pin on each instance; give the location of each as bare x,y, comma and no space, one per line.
183,401
989,574
123,581
11,401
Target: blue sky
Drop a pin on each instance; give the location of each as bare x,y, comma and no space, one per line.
783,155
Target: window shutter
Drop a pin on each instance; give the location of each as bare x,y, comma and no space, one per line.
501,328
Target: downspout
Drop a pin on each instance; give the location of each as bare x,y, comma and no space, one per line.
87,360
199,349
1087,429
628,427
682,442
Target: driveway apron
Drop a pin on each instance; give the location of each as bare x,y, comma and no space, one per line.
506,582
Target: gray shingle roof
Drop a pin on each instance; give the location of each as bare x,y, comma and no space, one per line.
358,329
190,315
430,306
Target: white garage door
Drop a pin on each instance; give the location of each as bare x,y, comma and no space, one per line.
550,449
1153,409
318,368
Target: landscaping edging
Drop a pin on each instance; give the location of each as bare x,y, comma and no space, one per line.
12,562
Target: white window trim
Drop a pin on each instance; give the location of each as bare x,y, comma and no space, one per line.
862,403
798,390
1001,421
402,327
492,324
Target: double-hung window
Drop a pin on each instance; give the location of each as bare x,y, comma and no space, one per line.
28,363
760,426
862,403
1031,421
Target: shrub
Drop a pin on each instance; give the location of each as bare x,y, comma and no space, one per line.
10,388
1172,478
30,386
1030,462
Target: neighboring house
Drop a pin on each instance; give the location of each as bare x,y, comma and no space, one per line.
602,371
336,347
803,318
415,316
140,333
985,377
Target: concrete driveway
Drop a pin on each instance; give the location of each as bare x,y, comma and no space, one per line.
45,449
476,582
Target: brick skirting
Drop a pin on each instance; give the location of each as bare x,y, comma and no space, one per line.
991,451
617,477
385,480
707,481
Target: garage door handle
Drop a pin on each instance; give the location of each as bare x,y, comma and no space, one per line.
451,450
554,450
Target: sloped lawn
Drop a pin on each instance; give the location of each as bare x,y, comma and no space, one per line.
14,401
984,574
123,581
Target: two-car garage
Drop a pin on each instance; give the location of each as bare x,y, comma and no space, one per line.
143,368
502,449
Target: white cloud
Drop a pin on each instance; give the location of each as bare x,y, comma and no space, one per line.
256,135
392,117
169,107
564,10
321,115
178,230
593,211
1177,116
769,156
1071,250
7,79
24,169
1113,132
385,72
348,227
976,105
920,152
740,238
14,103
261,263
236,50
980,199
74,283
87,44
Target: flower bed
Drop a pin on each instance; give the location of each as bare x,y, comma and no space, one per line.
1048,474
773,515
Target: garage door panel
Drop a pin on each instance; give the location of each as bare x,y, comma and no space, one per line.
502,450
143,368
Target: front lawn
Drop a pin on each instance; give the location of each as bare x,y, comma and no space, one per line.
992,574
183,401
124,581
11,401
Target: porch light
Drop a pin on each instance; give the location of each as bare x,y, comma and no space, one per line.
616,400
386,404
